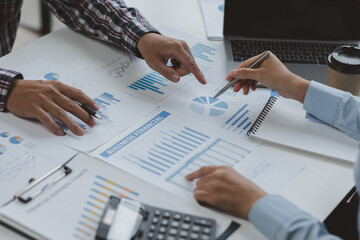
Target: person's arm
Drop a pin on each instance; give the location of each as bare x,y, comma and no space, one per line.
122,26
6,79
335,107
277,218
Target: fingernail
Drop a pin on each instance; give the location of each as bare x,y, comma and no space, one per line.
79,131
60,132
175,78
92,122
96,106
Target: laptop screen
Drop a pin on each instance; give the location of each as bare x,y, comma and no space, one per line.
288,19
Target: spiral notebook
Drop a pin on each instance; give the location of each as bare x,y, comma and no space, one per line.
283,121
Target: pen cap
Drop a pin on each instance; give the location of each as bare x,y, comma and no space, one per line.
344,69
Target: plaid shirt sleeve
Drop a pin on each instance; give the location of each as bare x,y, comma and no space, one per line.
6,76
108,20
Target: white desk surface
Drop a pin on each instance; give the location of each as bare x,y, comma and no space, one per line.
317,189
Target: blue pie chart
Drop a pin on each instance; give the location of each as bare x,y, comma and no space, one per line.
4,134
2,149
52,76
221,7
208,106
16,140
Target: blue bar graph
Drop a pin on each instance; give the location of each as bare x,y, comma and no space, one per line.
170,147
218,153
104,101
100,191
153,82
203,52
240,121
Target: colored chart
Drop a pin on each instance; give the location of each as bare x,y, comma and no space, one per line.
152,82
240,121
101,190
104,101
2,149
52,76
170,148
203,52
221,7
4,134
219,153
208,106
16,140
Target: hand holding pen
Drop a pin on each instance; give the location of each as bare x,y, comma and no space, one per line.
40,99
254,64
273,74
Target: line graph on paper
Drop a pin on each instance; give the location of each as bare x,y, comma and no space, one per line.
116,68
259,170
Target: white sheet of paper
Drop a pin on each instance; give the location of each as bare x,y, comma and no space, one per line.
26,154
166,147
129,74
117,109
286,124
213,16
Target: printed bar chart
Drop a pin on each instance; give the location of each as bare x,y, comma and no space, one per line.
203,52
100,192
240,121
219,153
170,148
152,82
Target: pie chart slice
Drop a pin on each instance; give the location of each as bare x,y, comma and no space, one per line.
2,149
208,106
16,140
52,76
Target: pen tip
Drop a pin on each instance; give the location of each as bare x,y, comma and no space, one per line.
98,116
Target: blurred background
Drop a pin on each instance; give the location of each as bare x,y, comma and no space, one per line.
36,21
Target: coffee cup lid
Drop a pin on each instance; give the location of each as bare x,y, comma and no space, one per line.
345,59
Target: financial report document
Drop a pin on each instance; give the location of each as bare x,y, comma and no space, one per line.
26,154
166,147
117,109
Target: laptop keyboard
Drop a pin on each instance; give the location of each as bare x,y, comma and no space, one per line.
287,52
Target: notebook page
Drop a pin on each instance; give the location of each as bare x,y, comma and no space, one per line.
286,124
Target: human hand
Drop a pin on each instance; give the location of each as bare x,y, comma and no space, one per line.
158,49
226,190
35,99
273,74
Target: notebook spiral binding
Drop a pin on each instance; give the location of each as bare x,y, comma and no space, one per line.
262,116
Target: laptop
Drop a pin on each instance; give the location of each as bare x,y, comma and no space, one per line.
300,33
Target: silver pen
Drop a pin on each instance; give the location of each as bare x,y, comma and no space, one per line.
255,64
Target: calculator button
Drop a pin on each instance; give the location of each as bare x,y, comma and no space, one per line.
173,231
175,224
185,226
194,236
155,220
183,234
177,216
162,229
164,222
203,222
187,219
150,235
157,212
152,228
206,231
167,214
160,237
170,238
195,228
204,237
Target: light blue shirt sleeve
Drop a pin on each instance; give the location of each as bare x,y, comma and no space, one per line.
276,217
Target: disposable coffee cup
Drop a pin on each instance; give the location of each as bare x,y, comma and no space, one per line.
344,69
